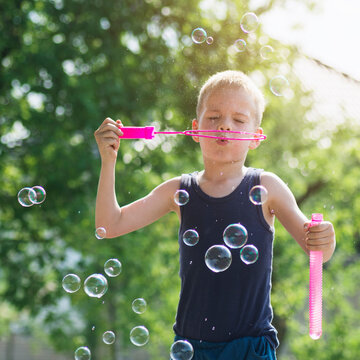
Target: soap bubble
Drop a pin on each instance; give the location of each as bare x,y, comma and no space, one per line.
191,237
199,35
181,350
258,195
40,195
139,305
139,335
240,45
26,197
181,197
249,254
71,283
278,85
267,52
209,40
218,258
100,233
108,337
82,353
235,236
96,285
112,267
249,22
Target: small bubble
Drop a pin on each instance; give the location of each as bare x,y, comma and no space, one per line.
199,35
240,45
235,236
112,267
258,195
249,254
82,353
96,285
139,335
181,350
139,306
279,85
181,197
71,283
209,40
191,237
100,233
26,197
267,52
249,22
109,337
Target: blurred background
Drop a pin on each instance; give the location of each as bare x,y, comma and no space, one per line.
68,64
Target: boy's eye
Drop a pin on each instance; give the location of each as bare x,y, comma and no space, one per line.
239,121
213,118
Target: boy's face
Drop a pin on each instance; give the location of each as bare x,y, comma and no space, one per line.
228,108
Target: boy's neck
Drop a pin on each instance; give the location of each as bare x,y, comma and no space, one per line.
219,172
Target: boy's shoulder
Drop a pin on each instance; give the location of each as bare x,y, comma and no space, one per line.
270,180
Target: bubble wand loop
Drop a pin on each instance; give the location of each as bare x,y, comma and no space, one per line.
315,287
148,132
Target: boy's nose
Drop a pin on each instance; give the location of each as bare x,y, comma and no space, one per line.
224,126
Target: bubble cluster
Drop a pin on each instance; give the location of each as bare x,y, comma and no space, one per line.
139,335
96,285
108,337
191,237
112,267
29,196
218,258
82,353
71,283
199,36
181,350
235,236
258,195
139,306
181,197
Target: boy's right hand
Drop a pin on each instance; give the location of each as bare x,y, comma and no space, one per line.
107,138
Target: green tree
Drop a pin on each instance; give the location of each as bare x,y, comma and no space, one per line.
65,66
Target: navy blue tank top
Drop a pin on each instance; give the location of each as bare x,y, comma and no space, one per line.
224,306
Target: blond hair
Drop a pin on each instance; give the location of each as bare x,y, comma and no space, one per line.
232,78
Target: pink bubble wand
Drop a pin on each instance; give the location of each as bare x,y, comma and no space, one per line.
315,287
148,132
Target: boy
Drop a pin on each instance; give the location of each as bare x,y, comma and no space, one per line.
225,315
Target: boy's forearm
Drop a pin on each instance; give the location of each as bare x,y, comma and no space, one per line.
107,209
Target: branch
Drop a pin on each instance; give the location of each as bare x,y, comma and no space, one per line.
313,188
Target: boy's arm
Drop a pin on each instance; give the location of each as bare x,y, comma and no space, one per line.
108,214
282,203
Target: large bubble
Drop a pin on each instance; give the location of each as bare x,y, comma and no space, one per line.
218,258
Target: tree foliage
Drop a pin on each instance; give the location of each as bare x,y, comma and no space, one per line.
65,66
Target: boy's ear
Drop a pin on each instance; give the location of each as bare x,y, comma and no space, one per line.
255,143
195,126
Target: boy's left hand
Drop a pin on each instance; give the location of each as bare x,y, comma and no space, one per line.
320,237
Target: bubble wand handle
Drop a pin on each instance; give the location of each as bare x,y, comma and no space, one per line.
315,287
137,132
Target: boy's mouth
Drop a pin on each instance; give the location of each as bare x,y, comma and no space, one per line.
222,141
